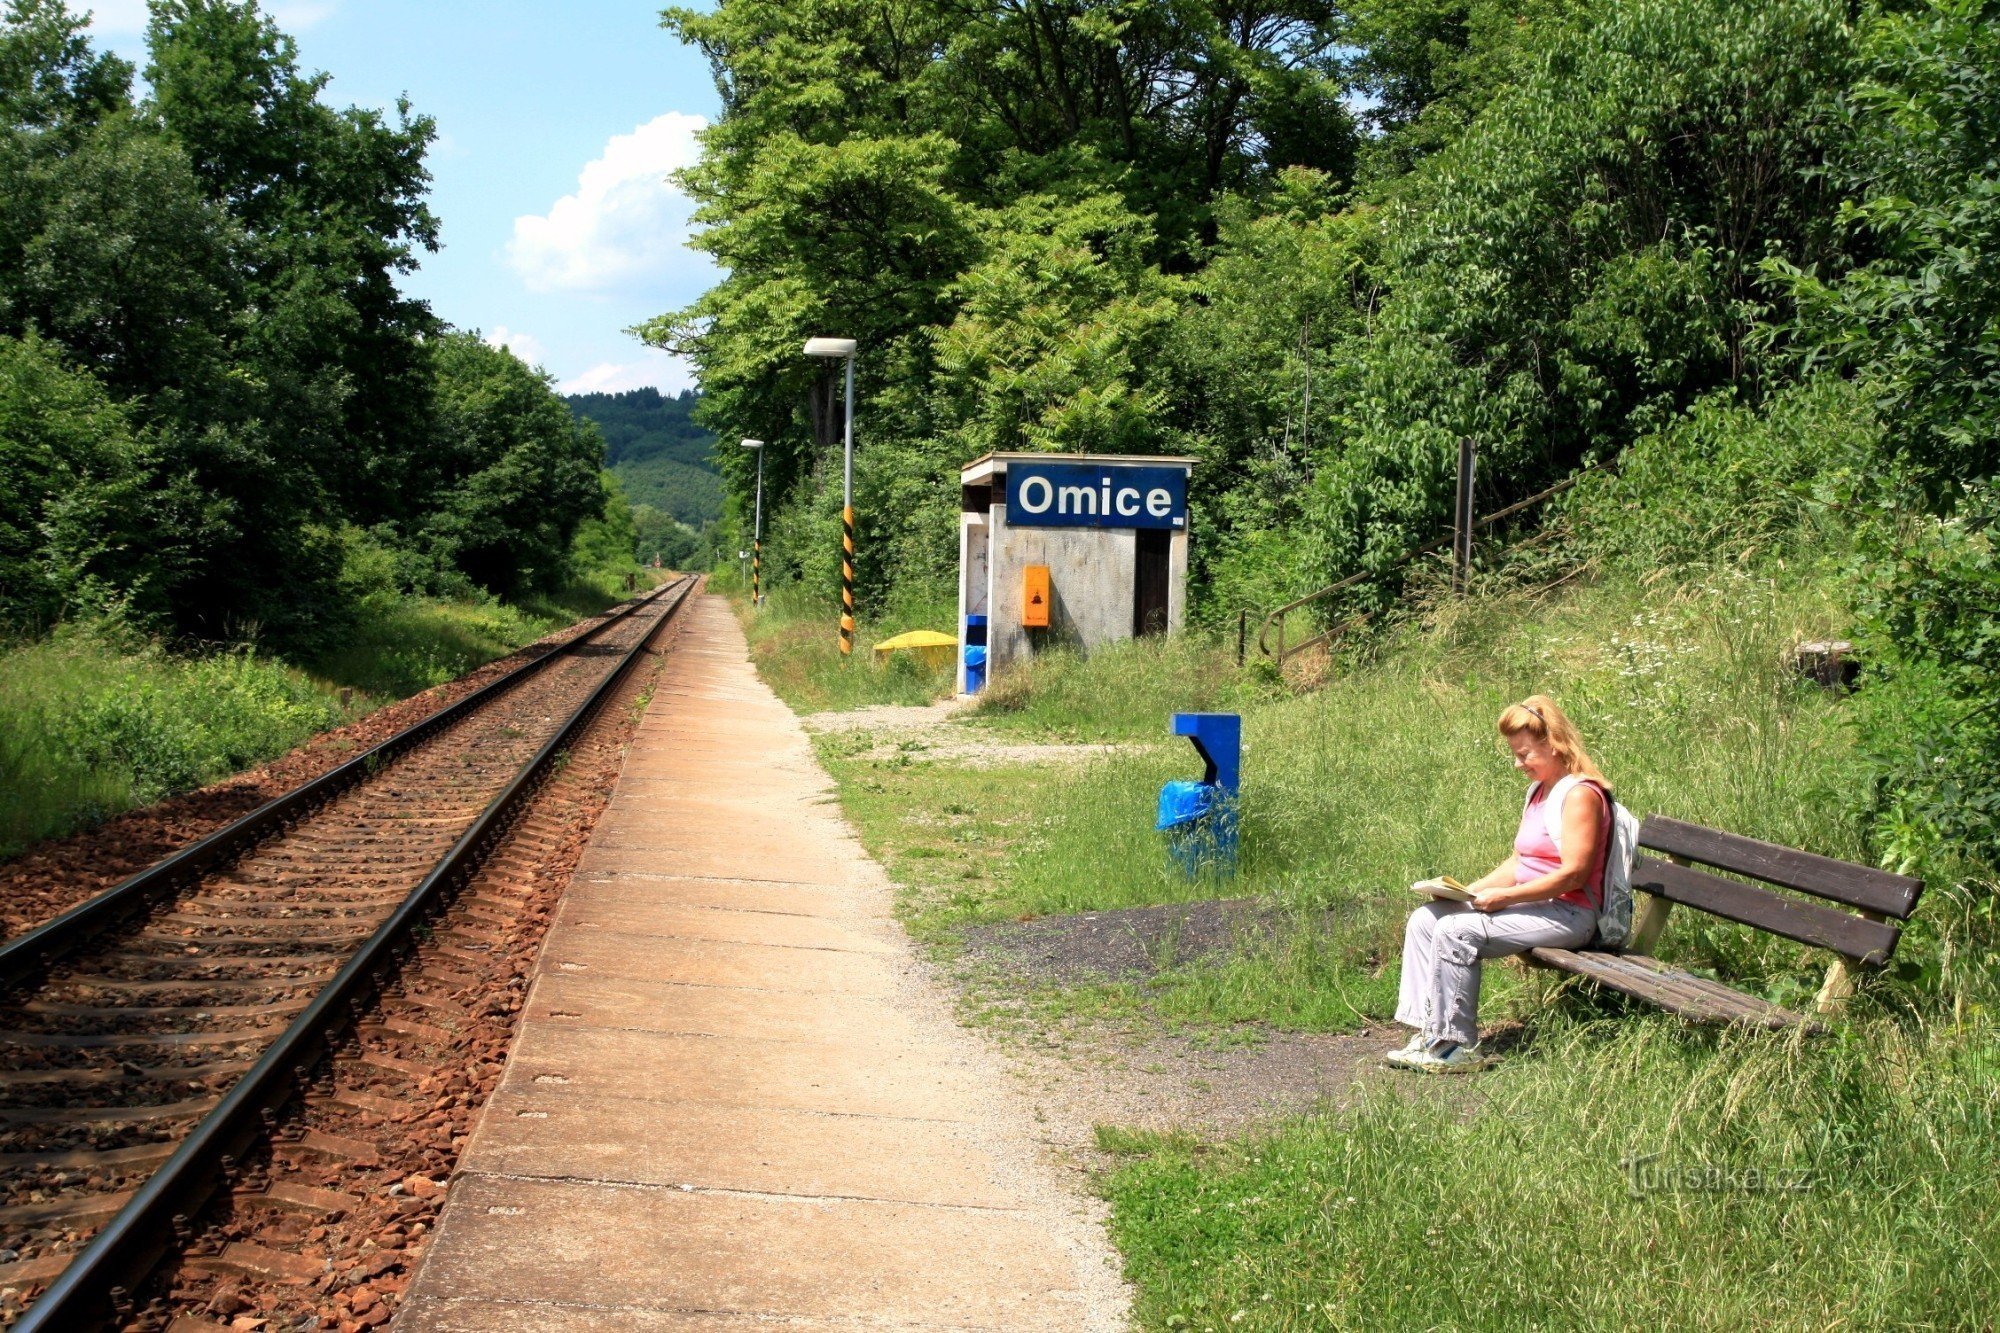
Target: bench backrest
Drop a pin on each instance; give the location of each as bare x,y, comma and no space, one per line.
1866,934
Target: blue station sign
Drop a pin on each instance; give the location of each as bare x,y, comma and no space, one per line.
1082,495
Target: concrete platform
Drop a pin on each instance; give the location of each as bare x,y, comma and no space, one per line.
737,1100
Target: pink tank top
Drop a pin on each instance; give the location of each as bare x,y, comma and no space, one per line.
1535,852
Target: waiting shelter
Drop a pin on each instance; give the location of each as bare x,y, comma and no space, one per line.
1075,549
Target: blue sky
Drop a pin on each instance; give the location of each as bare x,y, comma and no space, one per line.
556,126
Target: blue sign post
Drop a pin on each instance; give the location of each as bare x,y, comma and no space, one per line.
1084,495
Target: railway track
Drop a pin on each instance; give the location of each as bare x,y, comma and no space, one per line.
149,1036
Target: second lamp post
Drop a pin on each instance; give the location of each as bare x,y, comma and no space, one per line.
844,349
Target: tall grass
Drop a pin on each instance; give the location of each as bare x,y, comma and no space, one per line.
795,642
400,646
1122,691
92,724
1393,772
95,720
1635,1176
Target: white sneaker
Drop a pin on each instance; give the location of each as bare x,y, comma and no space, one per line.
1447,1057
1403,1054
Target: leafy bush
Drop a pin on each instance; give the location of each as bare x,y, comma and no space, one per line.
1930,717
1731,480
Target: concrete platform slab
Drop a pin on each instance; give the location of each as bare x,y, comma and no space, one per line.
452,1315
853,1078
575,1001
736,1099
633,910
664,858
718,963
670,1250
765,1150
747,895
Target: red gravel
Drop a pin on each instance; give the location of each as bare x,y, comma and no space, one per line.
372,1151
54,876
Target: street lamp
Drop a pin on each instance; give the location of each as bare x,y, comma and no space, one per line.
844,349
757,530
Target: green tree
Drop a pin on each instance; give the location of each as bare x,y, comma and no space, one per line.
1584,262
520,474
332,202
989,197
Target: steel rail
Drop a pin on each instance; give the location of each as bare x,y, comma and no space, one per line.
31,951
99,1279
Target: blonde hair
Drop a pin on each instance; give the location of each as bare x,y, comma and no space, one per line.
1539,717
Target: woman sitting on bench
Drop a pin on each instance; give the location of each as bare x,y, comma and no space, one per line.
1546,894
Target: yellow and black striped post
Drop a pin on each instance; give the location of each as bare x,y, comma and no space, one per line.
756,573
847,581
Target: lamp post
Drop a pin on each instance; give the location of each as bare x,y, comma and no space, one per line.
757,530
844,349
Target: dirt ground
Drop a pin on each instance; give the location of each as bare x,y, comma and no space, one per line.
928,729
1135,1075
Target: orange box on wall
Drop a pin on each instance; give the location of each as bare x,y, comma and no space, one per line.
1035,597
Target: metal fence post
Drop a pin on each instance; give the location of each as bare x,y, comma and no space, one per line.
1461,563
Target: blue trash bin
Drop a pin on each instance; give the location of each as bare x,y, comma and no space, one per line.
975,668
1199,818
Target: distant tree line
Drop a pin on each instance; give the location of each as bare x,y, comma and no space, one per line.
219,415
1317,245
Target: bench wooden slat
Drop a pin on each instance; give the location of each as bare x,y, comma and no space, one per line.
1671,989
1866,942
1822,876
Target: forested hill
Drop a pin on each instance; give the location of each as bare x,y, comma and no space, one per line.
661,457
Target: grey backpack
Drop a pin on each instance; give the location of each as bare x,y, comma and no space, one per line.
1614,911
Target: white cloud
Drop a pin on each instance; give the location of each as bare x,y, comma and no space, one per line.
526,346
660,370
626,227
109,17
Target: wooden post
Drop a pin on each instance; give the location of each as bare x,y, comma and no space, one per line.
1648,920
1833,992
1839,983
1242,633
1461,546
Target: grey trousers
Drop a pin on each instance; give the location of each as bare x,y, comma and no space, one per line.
1442,946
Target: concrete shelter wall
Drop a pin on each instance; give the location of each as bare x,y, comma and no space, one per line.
1091,576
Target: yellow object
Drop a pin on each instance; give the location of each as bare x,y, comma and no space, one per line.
1035,597
931,648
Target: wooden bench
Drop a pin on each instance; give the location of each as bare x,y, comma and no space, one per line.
1861,931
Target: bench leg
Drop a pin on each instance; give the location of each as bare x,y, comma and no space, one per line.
1649,918
1838,986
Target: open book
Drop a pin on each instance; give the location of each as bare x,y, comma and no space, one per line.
1444,886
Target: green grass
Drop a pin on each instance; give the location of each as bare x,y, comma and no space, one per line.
1815,1185
1389,774
1124,691
1505,1205
92,724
